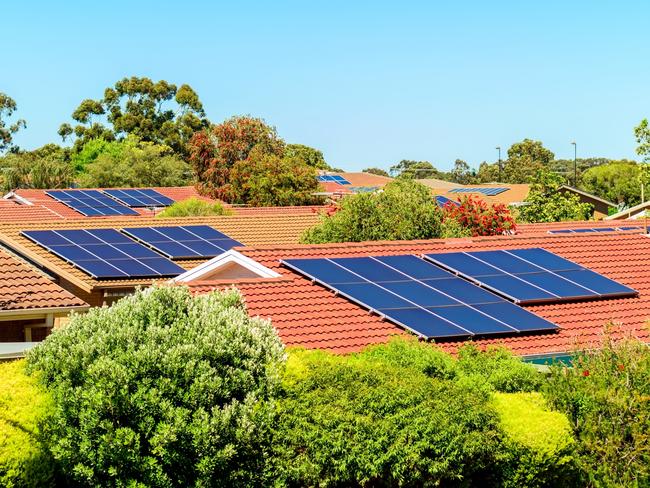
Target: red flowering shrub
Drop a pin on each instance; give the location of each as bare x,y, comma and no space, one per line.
481,218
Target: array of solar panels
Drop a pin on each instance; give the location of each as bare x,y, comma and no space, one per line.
442,201
530,275
111,254
420,296
460,294
96,203
594,229
484,191
333,179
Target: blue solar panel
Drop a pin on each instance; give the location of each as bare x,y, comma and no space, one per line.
442,201
333,179
105,253
91,203
486,191
594,229
184,242
530,275
419,296
139,197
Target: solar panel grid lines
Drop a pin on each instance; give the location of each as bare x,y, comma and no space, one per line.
333,178
442,201
586,230
104,253
531,275
419,296
139,197
489,191
183,242
90,203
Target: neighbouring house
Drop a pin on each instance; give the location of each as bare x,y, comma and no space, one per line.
636,212
511,194
308,314
337,185
31,304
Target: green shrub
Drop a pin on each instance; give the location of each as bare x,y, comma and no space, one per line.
362,421
23,405
499,368
404,209
193,207
606,395
539,442
162,389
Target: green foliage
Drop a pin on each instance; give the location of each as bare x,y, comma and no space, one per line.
545,203
23,406
616,181
193,207
92,149
356,421
132,163
162,389
417,170
46,167
157,112
606,395
462,173
405,209
525,160
376,171
268,180
306,155
7,130
642,135
498,368
539,442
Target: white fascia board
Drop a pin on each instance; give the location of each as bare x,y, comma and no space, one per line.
228,257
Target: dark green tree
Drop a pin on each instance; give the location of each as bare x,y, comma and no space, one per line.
46,167
615,181
308,155
8,129
417,170
158,112
376,171
525,160
462,173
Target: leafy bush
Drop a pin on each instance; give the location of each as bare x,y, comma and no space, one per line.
478,217
161,389
193,207
405,209
350,421
539,442
498,368
606,395
23,405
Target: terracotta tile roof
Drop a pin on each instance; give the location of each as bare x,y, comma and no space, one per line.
309,315
365,179
23,288
296,210
515,193
253,230
11,211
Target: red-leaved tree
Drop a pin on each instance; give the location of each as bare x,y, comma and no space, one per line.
214,151
481,218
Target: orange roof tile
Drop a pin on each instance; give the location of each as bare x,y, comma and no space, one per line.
516,193
545,227
365,179
22,288
12,211
310,315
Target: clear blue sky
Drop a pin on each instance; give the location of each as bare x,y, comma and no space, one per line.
368,84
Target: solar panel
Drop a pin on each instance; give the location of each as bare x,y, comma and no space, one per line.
91,203
333,178
139,197
184,242
105,253
486,191
584,230
442,201
530,275
420,296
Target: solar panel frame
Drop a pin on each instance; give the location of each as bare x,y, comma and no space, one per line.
533,275
442,201
489,191
387,297
90,203
139,197
105,253
203,241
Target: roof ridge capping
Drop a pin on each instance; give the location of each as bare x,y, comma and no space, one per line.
246,268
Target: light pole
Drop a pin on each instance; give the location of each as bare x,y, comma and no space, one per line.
575,164
498,148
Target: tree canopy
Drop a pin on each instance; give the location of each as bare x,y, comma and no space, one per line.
642,135
307,155
45,167
545,203
158,112
417,169
615,181
376,171
7,128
